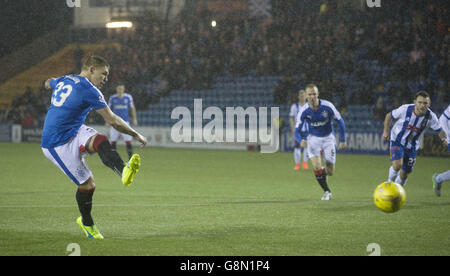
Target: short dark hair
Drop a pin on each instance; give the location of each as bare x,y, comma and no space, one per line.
422,93
312,86
95,61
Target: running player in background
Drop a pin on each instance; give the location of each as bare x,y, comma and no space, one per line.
295,108
66,140
121,104
319,114
444,120
411,120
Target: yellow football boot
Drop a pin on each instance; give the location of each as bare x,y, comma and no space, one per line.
90,231
130,170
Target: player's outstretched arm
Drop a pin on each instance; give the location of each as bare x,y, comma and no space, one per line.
120,125
300,134
292,124
443,137
342,144
387,123
134,115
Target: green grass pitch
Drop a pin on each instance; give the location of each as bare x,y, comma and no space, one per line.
219,203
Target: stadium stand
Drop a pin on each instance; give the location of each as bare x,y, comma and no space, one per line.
244,63
226,92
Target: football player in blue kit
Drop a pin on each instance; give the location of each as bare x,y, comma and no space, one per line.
319,114
121,104
66,140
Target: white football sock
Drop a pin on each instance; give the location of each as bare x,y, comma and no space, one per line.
400,181
445,176
297,155
393,174
305,155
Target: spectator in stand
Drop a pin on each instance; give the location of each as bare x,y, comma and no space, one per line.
416,54
379,112
189,54
78,54
284,90
27,119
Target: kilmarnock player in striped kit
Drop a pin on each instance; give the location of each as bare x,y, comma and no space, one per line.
295,108
445,176
411,120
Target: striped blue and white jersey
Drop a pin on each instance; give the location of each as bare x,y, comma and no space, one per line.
121,106
408,128
320,120
295,109
444,120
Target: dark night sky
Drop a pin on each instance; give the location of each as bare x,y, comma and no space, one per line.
21,21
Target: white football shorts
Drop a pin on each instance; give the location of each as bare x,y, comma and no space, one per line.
327,145
115,135
69,157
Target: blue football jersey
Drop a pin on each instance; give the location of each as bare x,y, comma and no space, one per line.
320,120
121,106
73,98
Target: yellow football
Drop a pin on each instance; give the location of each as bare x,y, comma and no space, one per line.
389,197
